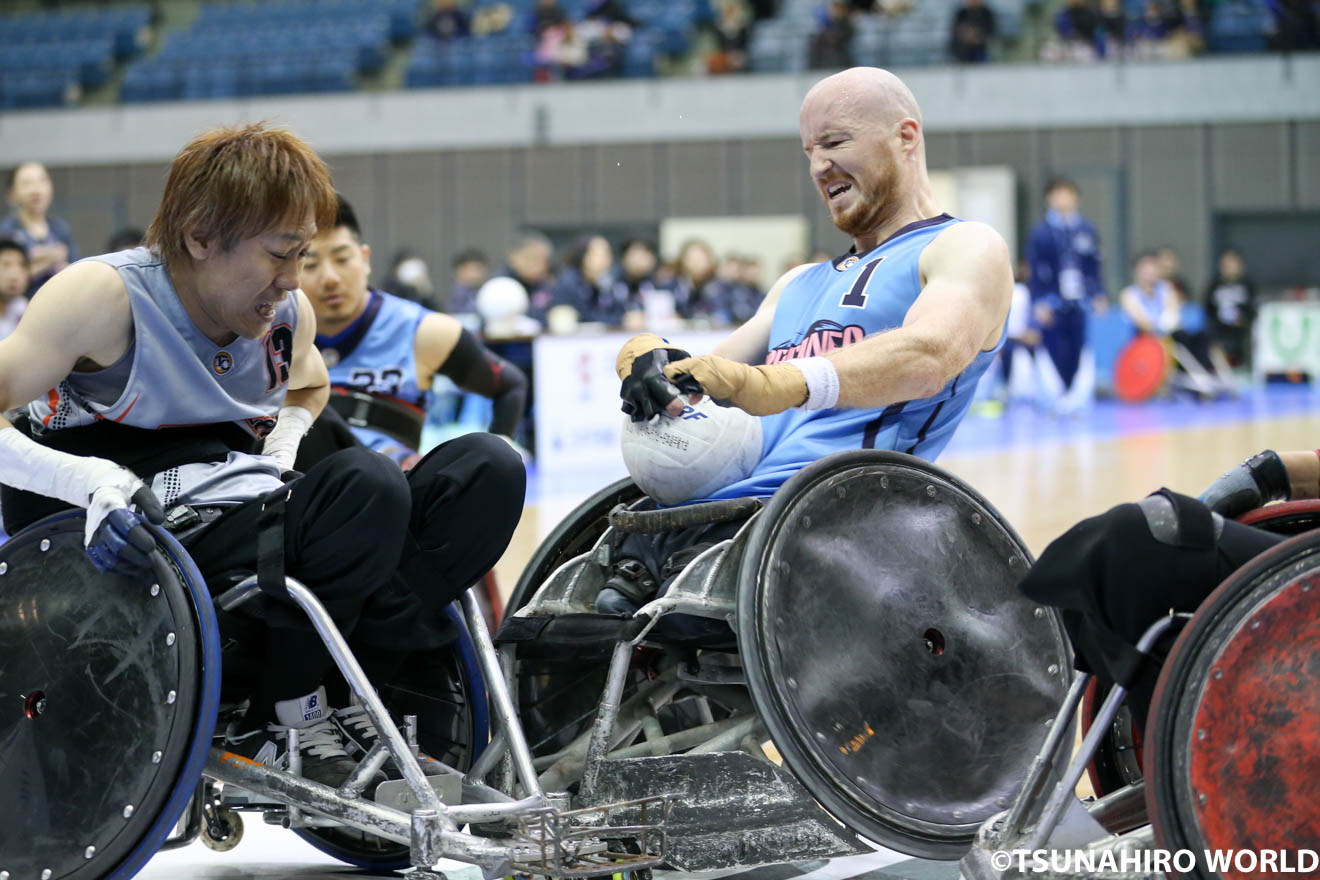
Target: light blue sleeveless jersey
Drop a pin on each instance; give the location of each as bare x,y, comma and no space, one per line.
376,354
839,303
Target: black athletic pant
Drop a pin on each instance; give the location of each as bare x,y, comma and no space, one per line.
383,551
1115,574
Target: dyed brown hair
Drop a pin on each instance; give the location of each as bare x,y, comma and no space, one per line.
234,183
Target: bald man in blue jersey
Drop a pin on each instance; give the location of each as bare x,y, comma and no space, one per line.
880,348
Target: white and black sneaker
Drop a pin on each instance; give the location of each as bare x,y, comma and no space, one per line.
360,736
320,744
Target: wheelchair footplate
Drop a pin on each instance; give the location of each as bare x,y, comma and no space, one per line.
591,842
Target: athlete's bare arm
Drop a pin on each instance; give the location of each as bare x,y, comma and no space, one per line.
54,336
437,335
750,342
309,382
967,287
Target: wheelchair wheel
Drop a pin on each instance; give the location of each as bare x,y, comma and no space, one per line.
444,689
915,683
112,684
557,698
1233,740
1289,518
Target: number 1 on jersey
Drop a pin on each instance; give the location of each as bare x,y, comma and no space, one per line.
855,298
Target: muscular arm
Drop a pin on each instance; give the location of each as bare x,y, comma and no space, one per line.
54,336
309,382
967,289
750,342
443,346
1135,313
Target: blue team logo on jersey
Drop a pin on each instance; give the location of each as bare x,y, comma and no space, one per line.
222,363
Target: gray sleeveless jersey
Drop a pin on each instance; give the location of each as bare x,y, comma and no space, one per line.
173,376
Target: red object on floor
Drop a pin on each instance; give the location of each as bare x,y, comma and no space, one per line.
1140,369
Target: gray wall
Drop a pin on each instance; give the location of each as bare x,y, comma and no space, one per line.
1142,186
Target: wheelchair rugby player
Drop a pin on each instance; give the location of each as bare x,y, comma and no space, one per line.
164,392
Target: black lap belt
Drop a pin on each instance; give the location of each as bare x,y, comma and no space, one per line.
270,545
400,421
144,452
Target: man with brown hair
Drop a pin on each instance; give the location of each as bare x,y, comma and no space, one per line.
199,346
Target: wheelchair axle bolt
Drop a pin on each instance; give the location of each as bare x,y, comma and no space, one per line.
89,852
155,757
45,545
976,519
171,697
45,875
1053,669
155,589
128,811
930,490
169,640
1039,612
4,875
4,567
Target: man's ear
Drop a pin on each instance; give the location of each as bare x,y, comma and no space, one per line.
197,248
909,134
366,258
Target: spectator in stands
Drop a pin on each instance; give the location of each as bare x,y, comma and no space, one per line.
493,19
528,262
1113,28
447,21
125,239
732,299
1149,34
831,46
763,9
732,34
1076,25
547,14
973,26
48,240
13,284
695,286
1231,301
410,278
638,263
1188,37
589,285
471,269
1296,25
1064,253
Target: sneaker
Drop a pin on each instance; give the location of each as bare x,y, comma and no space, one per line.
360,735
320,744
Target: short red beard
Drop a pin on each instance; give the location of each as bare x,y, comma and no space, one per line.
872,207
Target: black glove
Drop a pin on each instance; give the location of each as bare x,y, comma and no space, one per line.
1254,483
646,392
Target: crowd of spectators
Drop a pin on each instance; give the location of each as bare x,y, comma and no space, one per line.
621,284
1087,30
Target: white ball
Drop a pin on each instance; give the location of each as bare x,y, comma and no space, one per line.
705,449
502,298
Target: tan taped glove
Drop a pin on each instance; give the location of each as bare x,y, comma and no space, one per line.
761,390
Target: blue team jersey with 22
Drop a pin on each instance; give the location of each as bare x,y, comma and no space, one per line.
376,354
838,303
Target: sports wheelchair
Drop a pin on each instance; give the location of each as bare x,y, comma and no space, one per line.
880,677
1229,760
110,750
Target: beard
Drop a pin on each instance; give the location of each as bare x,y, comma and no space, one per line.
874,204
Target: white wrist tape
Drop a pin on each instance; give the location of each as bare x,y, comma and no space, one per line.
822,382
26,464
282,441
